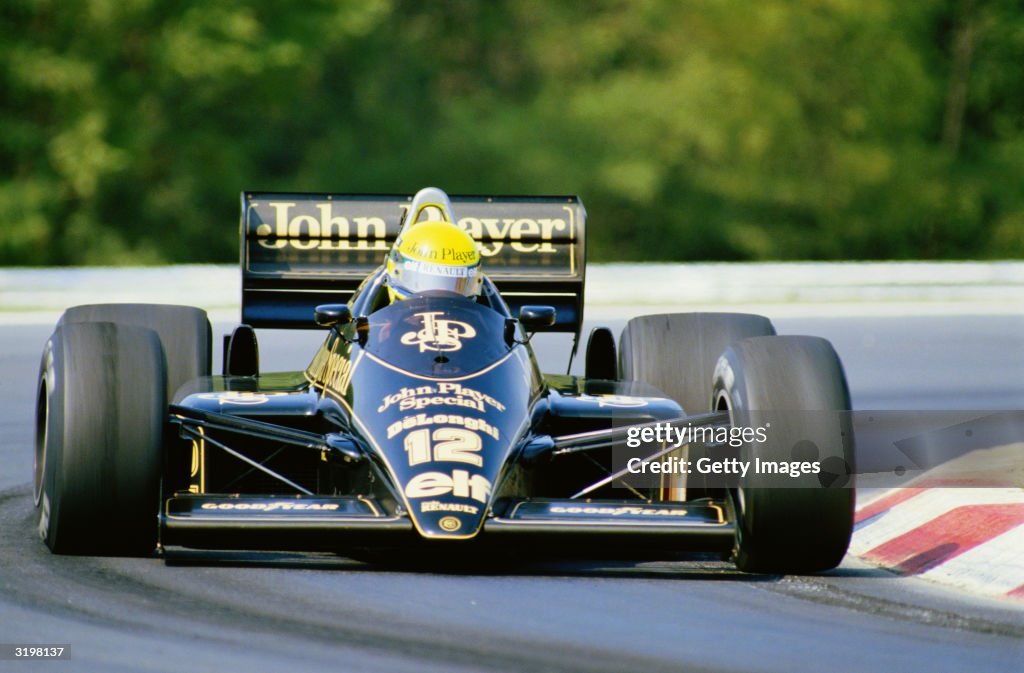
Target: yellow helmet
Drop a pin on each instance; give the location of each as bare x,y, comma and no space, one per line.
434,255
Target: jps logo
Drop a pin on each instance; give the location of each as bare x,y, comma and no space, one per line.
439,334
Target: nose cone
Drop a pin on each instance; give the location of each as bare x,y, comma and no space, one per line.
445,443
442,398
448,504
447,458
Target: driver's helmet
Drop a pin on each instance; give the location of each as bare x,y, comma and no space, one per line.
434,255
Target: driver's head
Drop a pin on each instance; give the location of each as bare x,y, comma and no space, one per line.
434,255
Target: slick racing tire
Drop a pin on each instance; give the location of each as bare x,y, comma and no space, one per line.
676,352
794,388
100,416
184,333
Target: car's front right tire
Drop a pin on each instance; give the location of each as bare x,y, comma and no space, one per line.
100,416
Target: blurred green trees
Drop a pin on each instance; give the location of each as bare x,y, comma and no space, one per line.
707,129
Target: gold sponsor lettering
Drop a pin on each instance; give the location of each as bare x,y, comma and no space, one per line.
331,371
452,388
420,420
617,511
459,483
446,393
276,506
448,254
339,373
421,402
328,232
316,368
494,233
547,226
438,506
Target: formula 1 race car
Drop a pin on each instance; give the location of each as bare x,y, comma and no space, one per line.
425,422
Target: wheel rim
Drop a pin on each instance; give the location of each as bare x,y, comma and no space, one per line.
42,431
721,403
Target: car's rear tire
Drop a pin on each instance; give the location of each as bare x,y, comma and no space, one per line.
796,386
184,333
100,416
676,352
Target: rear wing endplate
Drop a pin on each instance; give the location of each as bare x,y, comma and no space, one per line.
300,250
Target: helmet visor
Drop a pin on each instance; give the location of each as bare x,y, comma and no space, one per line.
411,276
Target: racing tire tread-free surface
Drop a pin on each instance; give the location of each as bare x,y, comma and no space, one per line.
795,385
676,352
184,333
100,410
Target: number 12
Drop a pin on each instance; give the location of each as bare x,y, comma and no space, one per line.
450,444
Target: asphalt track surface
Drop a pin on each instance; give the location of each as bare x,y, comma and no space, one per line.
289,612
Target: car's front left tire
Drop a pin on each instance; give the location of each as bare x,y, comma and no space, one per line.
789,396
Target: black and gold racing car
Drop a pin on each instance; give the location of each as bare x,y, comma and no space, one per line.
426,423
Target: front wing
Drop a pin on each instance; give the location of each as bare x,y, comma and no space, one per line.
307,521
318,523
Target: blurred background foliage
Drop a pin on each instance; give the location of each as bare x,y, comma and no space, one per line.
698,130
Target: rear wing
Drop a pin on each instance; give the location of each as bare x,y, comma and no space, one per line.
300,250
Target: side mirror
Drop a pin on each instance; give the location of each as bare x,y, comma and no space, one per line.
332,315
534,318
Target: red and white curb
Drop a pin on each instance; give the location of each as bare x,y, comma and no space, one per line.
970,538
